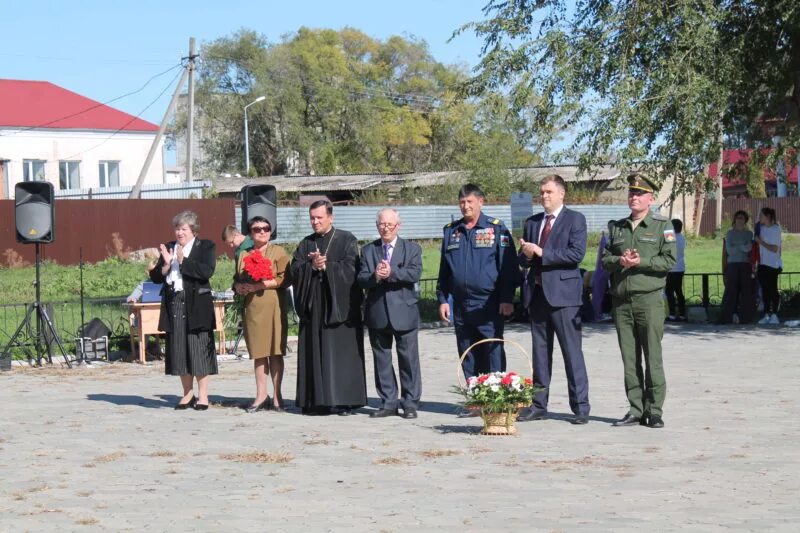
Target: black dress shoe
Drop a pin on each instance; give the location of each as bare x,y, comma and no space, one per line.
344,411
531,413
201,407
628,420
655,421
263,406
187,405
580,420
409,412
383,413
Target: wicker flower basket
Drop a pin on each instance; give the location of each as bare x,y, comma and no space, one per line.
495,423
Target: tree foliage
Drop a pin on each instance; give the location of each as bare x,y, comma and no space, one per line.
343,102
649,84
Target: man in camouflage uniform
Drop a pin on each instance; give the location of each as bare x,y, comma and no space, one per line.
640,252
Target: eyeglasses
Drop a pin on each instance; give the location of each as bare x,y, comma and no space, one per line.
260,229
386,225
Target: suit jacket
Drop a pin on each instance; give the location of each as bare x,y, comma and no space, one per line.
561,256
196,269
391,303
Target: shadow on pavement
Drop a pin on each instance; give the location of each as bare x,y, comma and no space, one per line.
162,402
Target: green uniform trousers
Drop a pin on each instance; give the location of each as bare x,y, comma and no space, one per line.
639,319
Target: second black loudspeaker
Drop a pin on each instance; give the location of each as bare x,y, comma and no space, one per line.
260,200
34,215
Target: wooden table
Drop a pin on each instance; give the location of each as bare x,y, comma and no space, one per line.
143,321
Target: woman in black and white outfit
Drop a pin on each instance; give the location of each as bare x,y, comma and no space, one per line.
187,309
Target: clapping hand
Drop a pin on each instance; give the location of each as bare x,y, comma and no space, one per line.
166,255
630,258
529,249
179,253
318,260
383,270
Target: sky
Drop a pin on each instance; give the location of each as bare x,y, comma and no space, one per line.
104,50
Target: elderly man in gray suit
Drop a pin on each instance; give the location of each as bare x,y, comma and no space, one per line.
390,269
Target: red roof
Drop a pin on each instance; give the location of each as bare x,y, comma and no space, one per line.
740,157
40,104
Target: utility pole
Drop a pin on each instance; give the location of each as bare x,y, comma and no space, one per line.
137,189
190,118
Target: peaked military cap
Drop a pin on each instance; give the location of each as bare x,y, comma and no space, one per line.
638,182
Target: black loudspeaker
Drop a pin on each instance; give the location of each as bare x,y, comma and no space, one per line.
34,212
261,201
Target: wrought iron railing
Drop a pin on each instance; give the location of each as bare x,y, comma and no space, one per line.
704,289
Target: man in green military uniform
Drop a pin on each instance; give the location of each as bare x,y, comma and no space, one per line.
640,252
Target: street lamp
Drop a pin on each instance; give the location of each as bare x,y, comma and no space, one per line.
246,138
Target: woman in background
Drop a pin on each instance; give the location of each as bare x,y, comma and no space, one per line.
769,264
737,302
187,309
265,314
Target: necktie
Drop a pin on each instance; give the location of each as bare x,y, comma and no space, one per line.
548,226
386,248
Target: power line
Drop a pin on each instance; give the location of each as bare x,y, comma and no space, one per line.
140,89
83,59
121,128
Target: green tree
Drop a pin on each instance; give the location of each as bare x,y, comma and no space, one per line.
649,85
343,102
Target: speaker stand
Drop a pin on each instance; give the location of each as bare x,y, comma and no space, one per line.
37,333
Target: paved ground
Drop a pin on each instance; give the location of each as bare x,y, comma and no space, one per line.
102,449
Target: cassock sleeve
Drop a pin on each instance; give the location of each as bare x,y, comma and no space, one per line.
340,272
300,273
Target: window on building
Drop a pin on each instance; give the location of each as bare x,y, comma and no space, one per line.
32,170
109,173
69,174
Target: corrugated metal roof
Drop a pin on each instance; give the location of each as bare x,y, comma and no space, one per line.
418,222
160,191
343,182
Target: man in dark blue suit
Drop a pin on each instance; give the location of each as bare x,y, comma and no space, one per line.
552,247
390,269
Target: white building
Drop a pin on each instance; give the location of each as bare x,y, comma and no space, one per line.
51,134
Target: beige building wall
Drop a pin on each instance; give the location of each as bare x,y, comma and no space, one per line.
87,147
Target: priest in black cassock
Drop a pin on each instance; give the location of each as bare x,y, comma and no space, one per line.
330,364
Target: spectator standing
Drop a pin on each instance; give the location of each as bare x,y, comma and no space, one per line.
479,270
265,322
187,309
640,252
674,289
390,268
769,265
738,305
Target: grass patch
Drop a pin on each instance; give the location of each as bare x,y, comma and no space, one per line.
259,457
110,457
161,453
318,442
435,453
390,461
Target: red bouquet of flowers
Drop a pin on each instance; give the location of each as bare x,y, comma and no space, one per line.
257,267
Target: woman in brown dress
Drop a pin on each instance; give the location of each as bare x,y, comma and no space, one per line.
265,314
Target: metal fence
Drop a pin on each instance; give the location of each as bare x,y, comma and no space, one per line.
66,318
159,191
704,289
419,222
787,212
